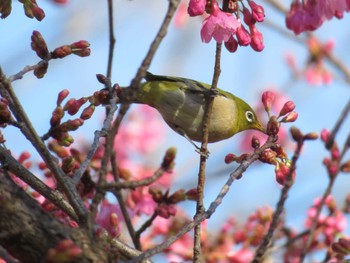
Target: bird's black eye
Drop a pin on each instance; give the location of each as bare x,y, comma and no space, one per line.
249,116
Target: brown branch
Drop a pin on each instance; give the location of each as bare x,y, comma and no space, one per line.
29,132
280,206
134,184
146,224
338,124
197,253
11,164
111,39
118,194
28,232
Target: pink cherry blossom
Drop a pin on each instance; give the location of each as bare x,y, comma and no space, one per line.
310,15
218,25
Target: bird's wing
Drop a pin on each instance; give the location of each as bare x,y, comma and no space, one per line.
192,86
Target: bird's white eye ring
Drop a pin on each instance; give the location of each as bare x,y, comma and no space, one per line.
249,116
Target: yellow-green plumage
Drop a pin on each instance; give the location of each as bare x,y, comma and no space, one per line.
182,102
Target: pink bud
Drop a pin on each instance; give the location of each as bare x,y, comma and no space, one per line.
57,116
258,12
82,44
196,7
257,42
325,135
61,52
61,96
38,44
231,45
24,156
268,99
248,18
113,219
288,107
291,117
229,158
243,36
87,112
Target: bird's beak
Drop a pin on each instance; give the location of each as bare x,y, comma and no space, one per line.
259,127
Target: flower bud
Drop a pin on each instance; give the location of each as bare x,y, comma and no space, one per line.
345,167
248,18
61,96
73,105
192,194
5,8
177,197
231,44
243,36
71,125
41,69
156,193
165,210
288,107
68,164
101,78
255,142
257,39
58,149
229,158
23,157
268,156
297,135
196,7
291,117
282,171
258,12
325,134
273,126
81,48
61,52
311,136
268,99
38,44
168,160
64,139
87,112
56,117
113,219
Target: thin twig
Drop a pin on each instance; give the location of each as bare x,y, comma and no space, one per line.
280,206
118,194
197,253
96,142
133,184
212,208
146,224
30,133
25,70
111,39
337,126
11,164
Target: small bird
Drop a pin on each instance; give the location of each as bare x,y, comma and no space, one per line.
182,102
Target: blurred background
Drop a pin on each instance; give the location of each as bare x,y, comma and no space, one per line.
245,73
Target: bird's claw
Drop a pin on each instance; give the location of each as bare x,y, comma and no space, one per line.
205,153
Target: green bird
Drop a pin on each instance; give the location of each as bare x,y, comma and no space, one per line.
182,102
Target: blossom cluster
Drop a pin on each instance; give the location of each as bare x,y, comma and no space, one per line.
310,14
226,26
